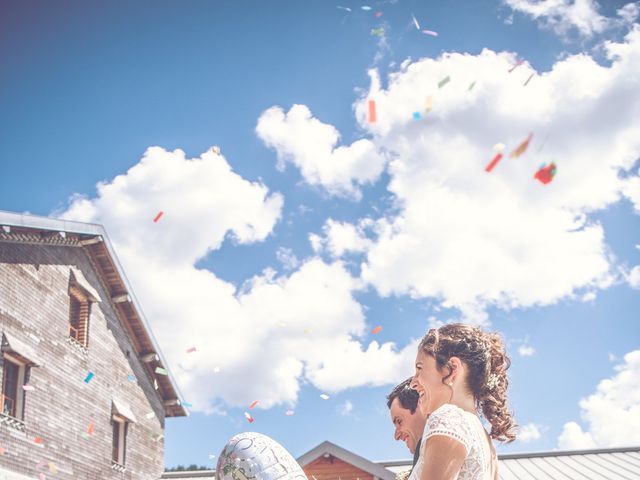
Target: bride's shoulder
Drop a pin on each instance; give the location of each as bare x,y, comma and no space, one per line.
448,410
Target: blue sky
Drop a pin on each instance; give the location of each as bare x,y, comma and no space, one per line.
250,236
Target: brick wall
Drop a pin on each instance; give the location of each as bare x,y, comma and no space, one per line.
332,468
34,309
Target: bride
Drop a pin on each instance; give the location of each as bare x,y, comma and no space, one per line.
461,371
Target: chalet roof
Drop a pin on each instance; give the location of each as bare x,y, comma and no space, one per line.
362,463
93,239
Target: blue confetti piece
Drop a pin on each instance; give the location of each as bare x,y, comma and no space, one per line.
89,377
131,378
416,115
187,404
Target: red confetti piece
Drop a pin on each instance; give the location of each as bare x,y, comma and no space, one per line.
522,147
253,404
158,216
493,162
378,329
248,417
546,173
372,111
90,429
38,440
192,349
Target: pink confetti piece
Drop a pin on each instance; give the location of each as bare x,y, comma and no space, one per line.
378,14
2,450
378,329
158,216
38,440
372,111
42,476
248,416
191,350
493,162
430,32
289,413
28,388
253,404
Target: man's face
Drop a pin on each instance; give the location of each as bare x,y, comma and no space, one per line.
408,428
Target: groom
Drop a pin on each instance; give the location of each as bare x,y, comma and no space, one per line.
406,417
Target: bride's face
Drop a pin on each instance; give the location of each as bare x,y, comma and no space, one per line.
428,383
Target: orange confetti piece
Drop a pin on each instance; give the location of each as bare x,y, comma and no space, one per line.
372,111
522,147
91,427
253,404
429,103
378,329
158,216
248,417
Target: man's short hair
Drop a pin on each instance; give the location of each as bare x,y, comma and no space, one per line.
406,395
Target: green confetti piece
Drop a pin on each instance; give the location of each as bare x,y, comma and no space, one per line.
444,81
161,371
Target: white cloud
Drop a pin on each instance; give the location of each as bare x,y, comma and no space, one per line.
287,258
310,145
564,15
528,433
260,341
342,237
612,413
526,350
634,277
346,408
629,12
471,238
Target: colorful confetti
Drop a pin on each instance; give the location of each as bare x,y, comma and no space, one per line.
84,435
528,80
158,216
131,378
289,413
90,429
344,8
52,468
430,32
444,81
161,371
416,115
253,404
38,440
378,329
88,377
493,162
2,450
415,22
191,350
522,147
499,147
42,476
429,103
377,32
518,63
324,396
378,14
186,404
546,173
248,416
28,388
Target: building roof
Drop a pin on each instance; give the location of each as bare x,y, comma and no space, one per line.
362,463
93,239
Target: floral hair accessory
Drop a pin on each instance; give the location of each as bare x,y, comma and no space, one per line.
492,381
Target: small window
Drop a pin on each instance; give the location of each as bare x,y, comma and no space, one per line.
79,313
14,375
119,441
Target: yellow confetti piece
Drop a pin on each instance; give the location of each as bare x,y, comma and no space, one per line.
52,468
429,103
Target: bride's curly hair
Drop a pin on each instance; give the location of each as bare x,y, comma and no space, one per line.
487,362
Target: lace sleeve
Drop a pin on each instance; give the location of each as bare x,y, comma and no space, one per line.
449,421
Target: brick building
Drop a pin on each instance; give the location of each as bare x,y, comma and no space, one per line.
85,388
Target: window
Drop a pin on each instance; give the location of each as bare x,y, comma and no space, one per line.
13,378
79,312
119,442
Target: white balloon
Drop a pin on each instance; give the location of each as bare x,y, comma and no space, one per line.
253,456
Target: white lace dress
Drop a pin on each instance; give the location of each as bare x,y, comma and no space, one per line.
465,427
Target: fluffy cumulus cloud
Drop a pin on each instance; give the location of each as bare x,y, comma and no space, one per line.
273,332
340,238
311,145
529,433
472,238
612,413
634,277
565,15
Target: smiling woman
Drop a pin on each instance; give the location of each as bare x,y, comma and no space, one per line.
461,370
